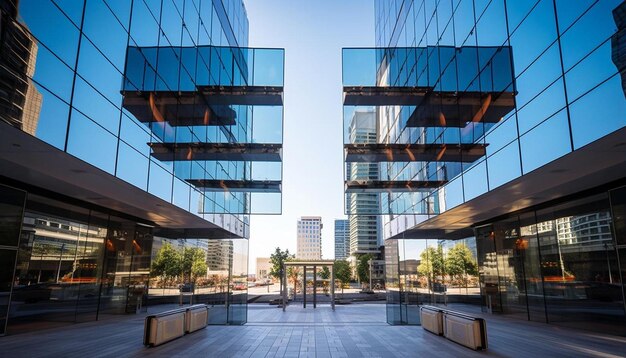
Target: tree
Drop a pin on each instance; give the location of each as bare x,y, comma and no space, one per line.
363,268
167,264
277,259
325,275
292,275
193,263
343,272
460,263
431,263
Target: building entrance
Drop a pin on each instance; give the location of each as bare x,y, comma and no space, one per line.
313,274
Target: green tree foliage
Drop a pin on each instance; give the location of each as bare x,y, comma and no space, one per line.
432,263
343,272
167,264
193,263
363,268
324,273
277,259
460,263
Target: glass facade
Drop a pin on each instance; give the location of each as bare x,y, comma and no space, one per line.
559,265
566,86
161,97
431,272
532,82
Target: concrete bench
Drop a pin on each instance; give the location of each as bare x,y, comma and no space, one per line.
458,327
165,326
432,319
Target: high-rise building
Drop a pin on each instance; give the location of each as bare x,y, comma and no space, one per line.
500,137
365,227
342,239
309,238
263,268
118,132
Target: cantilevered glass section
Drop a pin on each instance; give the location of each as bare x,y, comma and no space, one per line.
216,120
416,118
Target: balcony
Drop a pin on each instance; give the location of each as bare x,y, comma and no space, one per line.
216,119
415,119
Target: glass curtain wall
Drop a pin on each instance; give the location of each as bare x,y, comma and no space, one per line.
209,271
558,265
11,211
430,272
75,264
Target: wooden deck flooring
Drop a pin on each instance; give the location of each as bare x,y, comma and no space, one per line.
350,331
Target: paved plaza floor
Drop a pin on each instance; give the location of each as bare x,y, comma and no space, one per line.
357,330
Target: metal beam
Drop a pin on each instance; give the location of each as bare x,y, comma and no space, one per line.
403,186
383,96
377,152
235,152
243,95
237,186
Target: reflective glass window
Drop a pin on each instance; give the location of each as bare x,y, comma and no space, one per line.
598,113
91,143
547,142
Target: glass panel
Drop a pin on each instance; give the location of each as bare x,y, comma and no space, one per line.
475,181
91,143
583,287
238,306
87,274
132,166
504,166
47,282
392,282
618,209
528,247
7,265
598,113
545,143
488,268
11,209
116,273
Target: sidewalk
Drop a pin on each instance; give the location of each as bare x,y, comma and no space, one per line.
357,330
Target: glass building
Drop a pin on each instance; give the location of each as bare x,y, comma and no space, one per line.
342,239
128,128
500,139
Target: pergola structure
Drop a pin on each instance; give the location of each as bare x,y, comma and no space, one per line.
305,265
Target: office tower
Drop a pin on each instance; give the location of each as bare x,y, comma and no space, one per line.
263,268
365,235
500,143
118,132
342,239
309,238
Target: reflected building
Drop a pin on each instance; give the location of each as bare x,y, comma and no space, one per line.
342,239
365,235
507,136
618,42
21,104
219,255
114,142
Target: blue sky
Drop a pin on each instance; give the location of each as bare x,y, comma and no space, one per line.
312,33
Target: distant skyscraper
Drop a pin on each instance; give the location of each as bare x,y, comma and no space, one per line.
365,230
310,238
342,239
